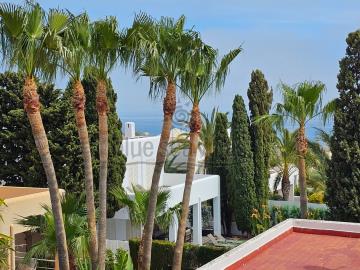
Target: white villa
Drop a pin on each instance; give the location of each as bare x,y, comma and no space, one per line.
141,156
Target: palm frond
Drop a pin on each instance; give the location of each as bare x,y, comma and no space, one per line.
223,70
30,38
328,110
105,46
122,197
323,136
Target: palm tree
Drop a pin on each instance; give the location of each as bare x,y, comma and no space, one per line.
164,47
301,104
106,51
139,202
74,61
27,39
199,77
77,234
284,159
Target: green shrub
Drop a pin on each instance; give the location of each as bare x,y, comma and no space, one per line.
260,220
162,252
118,260
317,197
280,213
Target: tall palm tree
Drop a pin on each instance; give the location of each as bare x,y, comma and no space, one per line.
138,205
106,51
28,38
199,77
164,47
77,233
301,104
74,62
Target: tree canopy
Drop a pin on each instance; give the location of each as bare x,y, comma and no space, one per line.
20,160
242,191
260,100
219,163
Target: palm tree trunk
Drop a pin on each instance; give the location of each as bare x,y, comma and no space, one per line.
302,149
79,108
32,108
285,183
195,127
102,109
169,106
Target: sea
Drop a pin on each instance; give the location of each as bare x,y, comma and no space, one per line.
152,125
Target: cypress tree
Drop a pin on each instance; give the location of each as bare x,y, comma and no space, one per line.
343,184
219,165
20,161
260,99
242,189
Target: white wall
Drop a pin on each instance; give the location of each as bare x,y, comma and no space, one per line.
204,187
141,157
22,206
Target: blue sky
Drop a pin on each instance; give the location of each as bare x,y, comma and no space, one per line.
288,40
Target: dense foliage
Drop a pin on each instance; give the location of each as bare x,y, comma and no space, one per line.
219,163
21,165
19,158
260,100
118,260
242,189
343,185
162,253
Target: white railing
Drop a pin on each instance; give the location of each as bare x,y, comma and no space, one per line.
113,245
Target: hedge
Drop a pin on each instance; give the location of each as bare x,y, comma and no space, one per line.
162,252
280,213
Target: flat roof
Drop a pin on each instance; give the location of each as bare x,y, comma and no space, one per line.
7,192
305,251
296,244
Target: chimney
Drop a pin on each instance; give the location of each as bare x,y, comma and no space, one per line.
129,130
